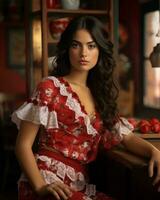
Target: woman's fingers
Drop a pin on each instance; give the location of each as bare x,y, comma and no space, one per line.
150,169
157,178
60,190
155,164
66,189
54,193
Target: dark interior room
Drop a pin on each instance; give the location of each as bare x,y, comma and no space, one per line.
28,37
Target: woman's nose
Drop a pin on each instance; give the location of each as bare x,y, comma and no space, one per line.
84,52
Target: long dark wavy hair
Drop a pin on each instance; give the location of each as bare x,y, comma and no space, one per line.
100,78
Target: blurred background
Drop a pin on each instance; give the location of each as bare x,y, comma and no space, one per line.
136,27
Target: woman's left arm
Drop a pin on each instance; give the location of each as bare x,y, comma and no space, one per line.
141,147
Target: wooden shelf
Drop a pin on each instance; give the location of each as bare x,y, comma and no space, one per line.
79,11
149,135
38,12
71,12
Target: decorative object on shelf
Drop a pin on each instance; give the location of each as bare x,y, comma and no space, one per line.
155,54
51,63
70,4
57,26
146,126
53,4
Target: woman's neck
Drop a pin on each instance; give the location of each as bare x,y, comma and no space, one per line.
79,78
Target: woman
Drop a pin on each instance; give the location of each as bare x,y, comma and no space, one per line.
76,110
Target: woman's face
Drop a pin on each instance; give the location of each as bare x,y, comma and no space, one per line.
83,52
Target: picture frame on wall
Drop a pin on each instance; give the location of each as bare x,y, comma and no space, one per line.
16,47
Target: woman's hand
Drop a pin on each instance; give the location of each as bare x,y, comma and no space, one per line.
57,189
155,163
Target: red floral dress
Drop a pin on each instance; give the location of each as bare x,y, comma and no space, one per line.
71,133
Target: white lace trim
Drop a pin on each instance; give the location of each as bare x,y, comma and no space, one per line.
90,190
49,176
123,127
35,114
78,181
41,114
74,105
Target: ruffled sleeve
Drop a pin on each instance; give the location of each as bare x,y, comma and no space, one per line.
37,108
115,136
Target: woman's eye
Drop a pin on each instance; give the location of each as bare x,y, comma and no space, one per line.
92,46
74,45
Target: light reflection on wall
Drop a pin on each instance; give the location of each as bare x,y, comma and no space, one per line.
37,50
151,75
37,43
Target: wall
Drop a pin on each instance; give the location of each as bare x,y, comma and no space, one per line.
129,19
10,80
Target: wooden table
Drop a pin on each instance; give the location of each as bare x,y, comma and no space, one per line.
126,177
132,160
137,182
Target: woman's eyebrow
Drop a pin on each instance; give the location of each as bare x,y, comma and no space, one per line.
90,42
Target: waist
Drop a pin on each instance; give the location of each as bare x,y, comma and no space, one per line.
76,164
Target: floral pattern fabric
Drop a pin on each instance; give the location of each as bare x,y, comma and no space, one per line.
69,130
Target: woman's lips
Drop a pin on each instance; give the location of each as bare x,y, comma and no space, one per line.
83,62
